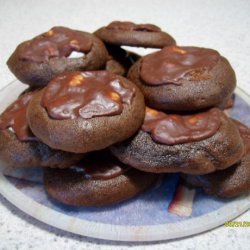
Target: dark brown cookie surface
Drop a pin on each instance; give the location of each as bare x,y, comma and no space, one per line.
85,111
97,181
185,144
131,34
184,78
18,145
120,60
59,50
230,182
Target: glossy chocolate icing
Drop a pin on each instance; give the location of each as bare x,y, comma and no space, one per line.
86,94
100,166
178,129
129,26
14,117
57,42
172,64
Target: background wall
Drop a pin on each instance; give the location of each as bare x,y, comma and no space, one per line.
220,24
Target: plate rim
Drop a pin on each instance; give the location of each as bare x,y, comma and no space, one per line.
120,232
143,233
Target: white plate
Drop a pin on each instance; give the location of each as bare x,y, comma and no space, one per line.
144,218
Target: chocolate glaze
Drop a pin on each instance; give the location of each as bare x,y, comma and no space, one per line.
100,166
178,129
129,26
172,64
86,94
229,182
15,117
57,42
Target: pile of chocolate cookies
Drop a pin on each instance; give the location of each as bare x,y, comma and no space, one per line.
104,122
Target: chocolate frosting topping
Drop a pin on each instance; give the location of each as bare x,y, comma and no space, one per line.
86,94
129,26
100,166
14,117
178,129
57,42
172,64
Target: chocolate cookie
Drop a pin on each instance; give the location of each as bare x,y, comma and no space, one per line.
86,111
184,78
197,144
120,60
99,180
131,34
115,67
61,49
18,145
232,181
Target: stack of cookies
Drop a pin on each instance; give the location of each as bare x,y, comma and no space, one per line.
104,122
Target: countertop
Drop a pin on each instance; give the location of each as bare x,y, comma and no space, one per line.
219,24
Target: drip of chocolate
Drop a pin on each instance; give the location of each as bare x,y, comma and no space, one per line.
172,64
178,129
57,42
100,166
129,26
86,95
14,117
